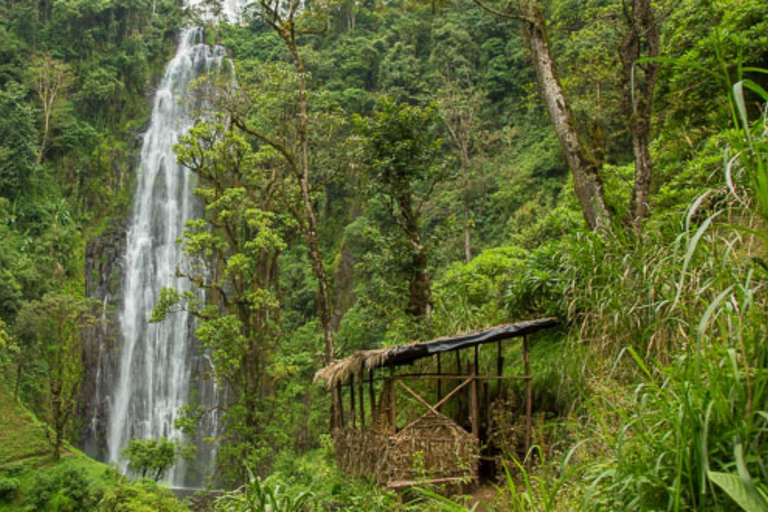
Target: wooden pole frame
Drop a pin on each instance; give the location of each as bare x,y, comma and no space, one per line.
360,393
352,413
372,397
474,412
528,399
340,405
392,401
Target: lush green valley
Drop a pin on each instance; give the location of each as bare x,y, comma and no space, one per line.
370,174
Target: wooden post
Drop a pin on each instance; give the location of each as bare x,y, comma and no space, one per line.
499,359
528,398
474,413
487,408
499,366
459,399
362,399
392,398
340,405
439,381
372,397
352,413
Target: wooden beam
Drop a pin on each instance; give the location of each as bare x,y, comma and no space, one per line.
340,404
499,359
439,381
453,392
352,413
487,408
474,413
417,397
392,399
460,402
362,399
372,397
459,377
499,366
528,398
439,404
401,484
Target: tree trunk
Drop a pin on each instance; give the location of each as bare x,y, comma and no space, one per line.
311,232
58,426
465,203
642,34
420,299
586,181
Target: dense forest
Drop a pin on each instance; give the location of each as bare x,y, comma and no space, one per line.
370,174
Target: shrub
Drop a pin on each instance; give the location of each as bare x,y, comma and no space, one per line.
8,487
64,489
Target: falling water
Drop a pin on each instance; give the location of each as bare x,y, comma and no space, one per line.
158,364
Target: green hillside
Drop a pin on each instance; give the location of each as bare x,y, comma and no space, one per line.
30,479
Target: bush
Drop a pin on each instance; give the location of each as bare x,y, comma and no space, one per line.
64,489
8,488
142,496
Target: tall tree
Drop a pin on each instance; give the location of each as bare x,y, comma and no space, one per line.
51,79
283,17
54,324
18,141
639,83
404,162
584,168
459,100
231,255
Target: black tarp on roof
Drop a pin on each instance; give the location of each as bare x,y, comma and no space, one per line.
340,371
406,354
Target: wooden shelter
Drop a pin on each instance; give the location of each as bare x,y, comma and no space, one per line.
433,447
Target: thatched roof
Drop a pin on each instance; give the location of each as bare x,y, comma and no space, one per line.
341,370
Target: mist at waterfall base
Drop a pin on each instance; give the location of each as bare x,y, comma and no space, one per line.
150,371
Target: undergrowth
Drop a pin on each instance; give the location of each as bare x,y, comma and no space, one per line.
673,329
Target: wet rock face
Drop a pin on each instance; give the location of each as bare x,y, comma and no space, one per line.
103,278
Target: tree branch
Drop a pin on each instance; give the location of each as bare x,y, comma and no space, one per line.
505,15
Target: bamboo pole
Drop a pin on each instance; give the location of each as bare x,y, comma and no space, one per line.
340,403
392,398
451,376
474,413
528,398
439,381
459,399
499,366
362,399
352,413
372,397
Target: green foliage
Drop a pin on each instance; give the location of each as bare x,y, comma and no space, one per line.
740,492
403,153
262,496
8,487
315,472
63,490
18,148
151,458
53,327
140,496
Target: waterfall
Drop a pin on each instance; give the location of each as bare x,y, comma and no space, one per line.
155,365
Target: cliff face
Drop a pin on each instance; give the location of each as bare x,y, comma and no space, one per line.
103,278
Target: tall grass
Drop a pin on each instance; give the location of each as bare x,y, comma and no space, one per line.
687,319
